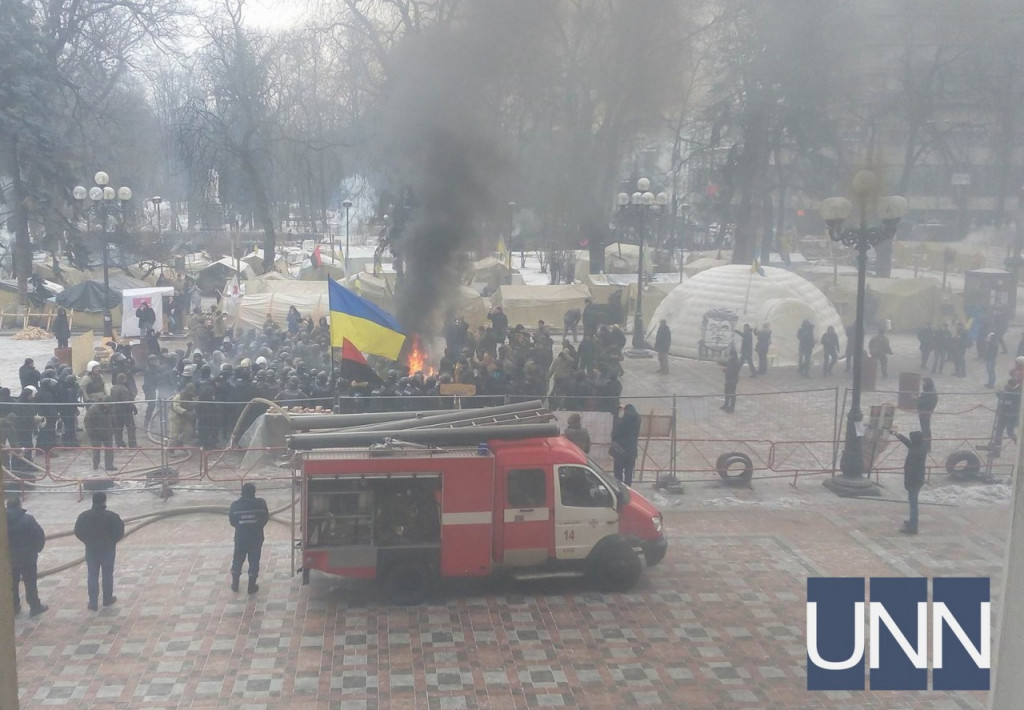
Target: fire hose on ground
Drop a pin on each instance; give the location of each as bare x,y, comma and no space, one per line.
145,519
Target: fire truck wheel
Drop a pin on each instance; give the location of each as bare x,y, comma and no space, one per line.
615,566
408,582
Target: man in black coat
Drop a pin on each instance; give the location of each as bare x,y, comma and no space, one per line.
100,529
662,343
913,475
147,318
625,434
732,369
28,374
26,539
248,516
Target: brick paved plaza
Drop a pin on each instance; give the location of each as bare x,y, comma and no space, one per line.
719,624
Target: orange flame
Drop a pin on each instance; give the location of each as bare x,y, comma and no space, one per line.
417,358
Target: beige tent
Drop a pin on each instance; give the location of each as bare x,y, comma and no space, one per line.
252,309
490,271
931,255
622,258
528,304
908,303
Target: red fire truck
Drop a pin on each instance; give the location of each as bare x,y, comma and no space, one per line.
409,514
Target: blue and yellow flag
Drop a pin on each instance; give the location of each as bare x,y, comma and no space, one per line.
363,323
756,268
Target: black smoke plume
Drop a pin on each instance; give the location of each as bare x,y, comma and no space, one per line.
440,139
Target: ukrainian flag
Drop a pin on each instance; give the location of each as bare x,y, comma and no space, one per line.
363,323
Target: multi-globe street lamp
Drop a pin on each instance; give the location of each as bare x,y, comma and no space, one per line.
639,204
103,197
835,211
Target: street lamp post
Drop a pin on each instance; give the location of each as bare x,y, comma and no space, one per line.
347,204
835,211
102,195
640,203
511,228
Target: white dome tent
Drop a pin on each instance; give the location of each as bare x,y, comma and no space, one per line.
705,310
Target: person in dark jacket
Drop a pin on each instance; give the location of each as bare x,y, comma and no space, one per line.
28,374
27,420
662,343
747,348
99,425
764,342
926,404
805,347
830,351
577,433
732,369
913,475
625,433
61,328
147,318
248,516
1007,411
26,540
100,529
123,412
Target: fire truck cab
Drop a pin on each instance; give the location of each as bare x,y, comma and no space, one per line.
528,508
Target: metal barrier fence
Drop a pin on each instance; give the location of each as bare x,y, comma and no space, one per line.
798,433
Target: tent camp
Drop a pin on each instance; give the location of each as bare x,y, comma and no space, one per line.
705,311
528,304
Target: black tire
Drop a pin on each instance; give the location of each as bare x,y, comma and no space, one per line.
963,464
408,583
615,567
725,467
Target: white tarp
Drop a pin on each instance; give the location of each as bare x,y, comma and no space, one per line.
705,311
252,309
133,298
527,304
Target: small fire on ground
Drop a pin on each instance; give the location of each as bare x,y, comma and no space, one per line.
416,360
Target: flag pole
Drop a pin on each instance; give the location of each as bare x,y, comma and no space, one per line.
330,336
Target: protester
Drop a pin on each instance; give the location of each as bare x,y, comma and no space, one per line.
913,475
880,350
577,433
1007,411
625,434
100,529
927,401
732,369
662,344
25,540
61,328
764,342
747,348
830,350
805,347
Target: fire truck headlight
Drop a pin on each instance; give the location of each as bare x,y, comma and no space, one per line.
656,521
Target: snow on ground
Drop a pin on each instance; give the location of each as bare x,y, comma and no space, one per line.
729,502
978,494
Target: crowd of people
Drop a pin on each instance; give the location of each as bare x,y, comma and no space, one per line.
225,378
